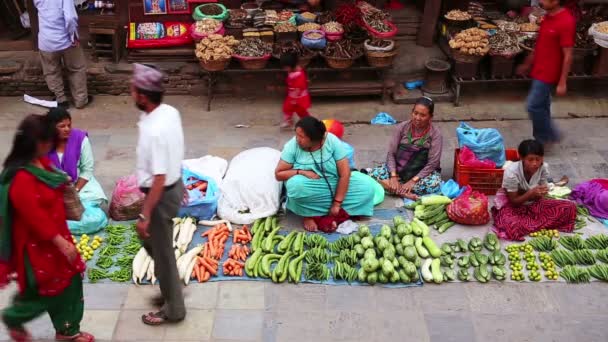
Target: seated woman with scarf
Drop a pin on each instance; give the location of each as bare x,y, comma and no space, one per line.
414,154
521,205
320,186
73,154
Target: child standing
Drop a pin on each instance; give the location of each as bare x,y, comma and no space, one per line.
298,98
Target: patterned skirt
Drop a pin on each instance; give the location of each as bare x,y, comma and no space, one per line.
515,222
430,184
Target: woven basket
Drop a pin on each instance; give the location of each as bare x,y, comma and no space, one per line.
73,205
217,65
380,59
252,63
465,58
339,63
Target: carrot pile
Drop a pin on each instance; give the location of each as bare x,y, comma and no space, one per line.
233,267
238,252
242,235
205,267
217,236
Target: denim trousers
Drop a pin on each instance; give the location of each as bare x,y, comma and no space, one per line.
539,108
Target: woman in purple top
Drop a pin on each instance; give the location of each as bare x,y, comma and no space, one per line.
73,154
412,162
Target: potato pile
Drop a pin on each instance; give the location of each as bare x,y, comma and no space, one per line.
472,41
458,15
215,47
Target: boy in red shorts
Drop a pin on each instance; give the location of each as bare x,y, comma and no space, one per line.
298,98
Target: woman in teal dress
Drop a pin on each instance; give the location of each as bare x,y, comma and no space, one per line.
315,169
73,154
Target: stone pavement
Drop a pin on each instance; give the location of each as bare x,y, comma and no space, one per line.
256,311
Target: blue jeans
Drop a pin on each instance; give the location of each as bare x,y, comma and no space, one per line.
539,108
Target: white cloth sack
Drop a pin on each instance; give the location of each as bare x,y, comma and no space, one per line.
250,191
210,166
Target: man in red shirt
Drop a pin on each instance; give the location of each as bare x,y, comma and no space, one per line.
550,63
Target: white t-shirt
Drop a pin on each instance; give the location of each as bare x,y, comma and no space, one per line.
514,179
160,148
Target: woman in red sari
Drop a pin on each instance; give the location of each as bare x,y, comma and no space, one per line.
35,242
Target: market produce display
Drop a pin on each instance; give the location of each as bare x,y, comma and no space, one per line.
343,49
215,47
207,26
528,27
308,27
432,211
85,249
252,47
504,43
332,27
291,47
458,15
471,41
285,27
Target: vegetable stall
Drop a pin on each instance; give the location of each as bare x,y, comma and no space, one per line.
409,249
485,44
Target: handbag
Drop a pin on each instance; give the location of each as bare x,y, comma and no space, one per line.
73,207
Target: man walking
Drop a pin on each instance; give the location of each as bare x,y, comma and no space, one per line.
160,150
59,46
550,62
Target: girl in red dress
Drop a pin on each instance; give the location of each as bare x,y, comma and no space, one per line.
298,98
35,243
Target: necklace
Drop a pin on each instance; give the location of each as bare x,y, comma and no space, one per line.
416,134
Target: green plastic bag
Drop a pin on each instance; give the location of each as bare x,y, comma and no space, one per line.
198,15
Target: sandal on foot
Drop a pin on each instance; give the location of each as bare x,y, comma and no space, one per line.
155,318
81,336
19,335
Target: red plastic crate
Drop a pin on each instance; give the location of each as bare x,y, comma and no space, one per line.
484,180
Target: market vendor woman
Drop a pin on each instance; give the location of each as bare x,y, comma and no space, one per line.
414,153
319,183
521,205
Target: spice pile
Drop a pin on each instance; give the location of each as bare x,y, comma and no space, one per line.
528,27
332,27
236,18
252,47
503,43
215,47
343,49
285,15
285,27
458,15
211,9
308,16
348,14
291,47
313,35
207,26
377,20
471,41
308,27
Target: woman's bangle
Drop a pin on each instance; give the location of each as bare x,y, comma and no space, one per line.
297,172
339,202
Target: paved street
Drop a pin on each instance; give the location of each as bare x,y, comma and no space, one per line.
256,311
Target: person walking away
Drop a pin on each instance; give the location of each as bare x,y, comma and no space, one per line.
59,45
35,242
298,98
550,65
160,150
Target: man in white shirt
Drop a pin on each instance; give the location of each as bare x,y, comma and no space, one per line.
59,45
160,151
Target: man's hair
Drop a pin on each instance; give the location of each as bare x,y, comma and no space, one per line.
155,97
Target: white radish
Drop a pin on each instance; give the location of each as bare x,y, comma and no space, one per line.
144,269
189,271
186,259
137,264
176,229
215,223
177,254
176,221
150,272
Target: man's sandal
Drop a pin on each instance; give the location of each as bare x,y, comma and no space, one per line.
155,318
19,335
81,336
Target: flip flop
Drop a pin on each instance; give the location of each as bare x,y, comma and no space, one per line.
82,334
20,335
149,319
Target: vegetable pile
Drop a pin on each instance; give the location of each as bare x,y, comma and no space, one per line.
206,26
471,41
484,266
432,211
116,258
